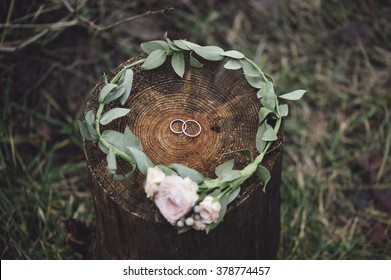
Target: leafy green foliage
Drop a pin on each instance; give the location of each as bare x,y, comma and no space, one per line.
128,82
233,64
185,171
155,59
230,175
260,143
142,161
113,114
263,113
255,81
178,63
150,47
105,91
111,161
267,95
233,54
211,53
117,93
269,135
114,138
130,140
194,62
293,95
264,175
226,187
233,195
228,165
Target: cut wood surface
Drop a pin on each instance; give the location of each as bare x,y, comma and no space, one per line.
226,107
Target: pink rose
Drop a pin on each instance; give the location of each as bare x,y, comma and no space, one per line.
175,197
209,210
154,177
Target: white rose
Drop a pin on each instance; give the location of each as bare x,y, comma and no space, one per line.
175,197
154,177
209,210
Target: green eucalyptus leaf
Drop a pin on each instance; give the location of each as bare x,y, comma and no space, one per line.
118,92
105,91
270,134
173,46
233,54
128,82
178,63
84,130
90,117
194,61
190,45
102,147
185,171
123,178
256,82
249,69
230,175
211,184
263,114
260,143
228,165
233,64
154,60
267,95
166,170
284,110
131,140
151,46
233,195
113,114
293,95
142,161
114,138
212,53
263,174
92,132
111,161
180,44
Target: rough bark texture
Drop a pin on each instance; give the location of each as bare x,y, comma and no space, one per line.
227,109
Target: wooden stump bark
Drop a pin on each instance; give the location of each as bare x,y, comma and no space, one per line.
227,108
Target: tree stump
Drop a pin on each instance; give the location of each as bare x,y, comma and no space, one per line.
226,107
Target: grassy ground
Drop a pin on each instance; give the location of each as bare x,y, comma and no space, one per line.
337,171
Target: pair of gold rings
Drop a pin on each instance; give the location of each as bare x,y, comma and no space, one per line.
184,127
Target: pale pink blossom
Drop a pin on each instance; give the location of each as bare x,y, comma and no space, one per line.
154,177
175,197
199,225
209,210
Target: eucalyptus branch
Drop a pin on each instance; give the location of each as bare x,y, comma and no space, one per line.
118,75
214,193
256,67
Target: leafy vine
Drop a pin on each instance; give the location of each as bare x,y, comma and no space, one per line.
186,198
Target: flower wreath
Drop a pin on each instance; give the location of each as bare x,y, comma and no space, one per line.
183,196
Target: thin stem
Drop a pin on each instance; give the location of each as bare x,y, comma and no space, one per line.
256,67
118,75
116,151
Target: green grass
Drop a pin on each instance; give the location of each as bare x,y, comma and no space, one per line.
338,137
